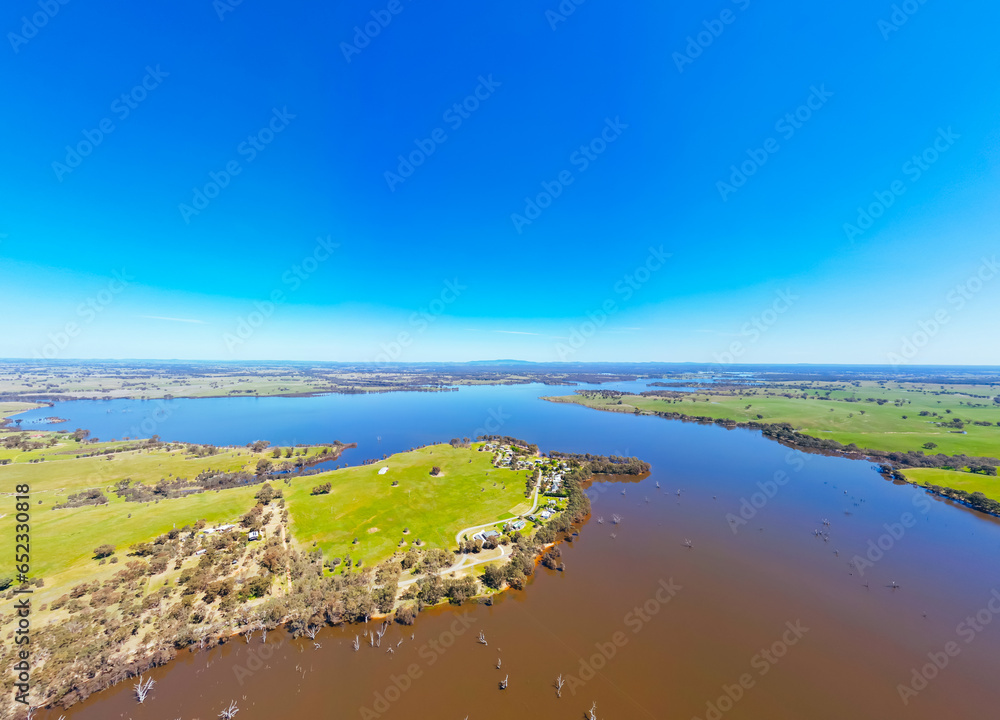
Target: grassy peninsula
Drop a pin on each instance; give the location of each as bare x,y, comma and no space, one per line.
141,548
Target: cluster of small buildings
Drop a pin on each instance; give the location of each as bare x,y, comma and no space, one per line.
552,471
252,535
220,529
503,456
546,513
484,535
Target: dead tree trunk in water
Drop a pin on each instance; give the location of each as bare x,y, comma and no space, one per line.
482,638
559,685
142,689
230,712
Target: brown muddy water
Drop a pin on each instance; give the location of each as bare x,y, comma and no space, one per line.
887,613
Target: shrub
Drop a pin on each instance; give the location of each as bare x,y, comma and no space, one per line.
405,615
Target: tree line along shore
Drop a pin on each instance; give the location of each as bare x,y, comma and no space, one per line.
943,437
142,549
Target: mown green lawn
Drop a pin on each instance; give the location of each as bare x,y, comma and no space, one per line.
363,504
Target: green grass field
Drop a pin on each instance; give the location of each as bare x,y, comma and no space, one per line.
363,504
969,482
850,413
867,424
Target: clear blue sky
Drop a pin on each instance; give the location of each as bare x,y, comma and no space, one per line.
313,122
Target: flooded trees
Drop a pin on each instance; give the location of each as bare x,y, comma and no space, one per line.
142,688
405,615
552,559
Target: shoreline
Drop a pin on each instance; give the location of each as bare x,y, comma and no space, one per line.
891,466
161,648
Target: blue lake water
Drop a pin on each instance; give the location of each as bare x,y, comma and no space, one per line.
751,508
379,423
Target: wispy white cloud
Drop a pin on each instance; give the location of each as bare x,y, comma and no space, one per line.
173,319
516,332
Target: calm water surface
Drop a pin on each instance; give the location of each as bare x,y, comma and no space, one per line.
639,623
